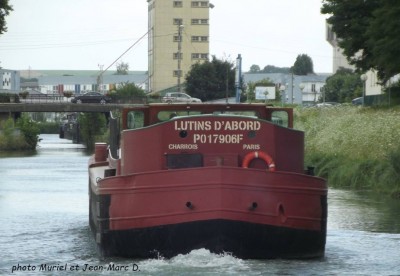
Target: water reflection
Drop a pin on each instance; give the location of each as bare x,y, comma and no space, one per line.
364,211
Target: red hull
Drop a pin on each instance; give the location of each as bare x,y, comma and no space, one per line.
274,200
221,177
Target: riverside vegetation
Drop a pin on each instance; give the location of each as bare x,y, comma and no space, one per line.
22,135
353,147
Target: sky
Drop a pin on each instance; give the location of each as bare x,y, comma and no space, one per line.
92,34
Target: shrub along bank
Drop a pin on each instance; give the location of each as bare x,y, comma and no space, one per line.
353,147
23,135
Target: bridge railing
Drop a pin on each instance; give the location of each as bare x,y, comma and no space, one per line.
44,98
56,98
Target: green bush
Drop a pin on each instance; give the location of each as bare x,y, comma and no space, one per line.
21,136
353,147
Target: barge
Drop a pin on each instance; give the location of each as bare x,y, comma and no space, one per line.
224,177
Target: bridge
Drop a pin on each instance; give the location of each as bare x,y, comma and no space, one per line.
56,103
58,107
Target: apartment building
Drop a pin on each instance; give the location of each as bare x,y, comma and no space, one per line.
372,87
178,37
10,81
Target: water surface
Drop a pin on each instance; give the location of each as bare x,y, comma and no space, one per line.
44,223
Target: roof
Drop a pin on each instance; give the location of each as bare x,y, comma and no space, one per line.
284,78
55,80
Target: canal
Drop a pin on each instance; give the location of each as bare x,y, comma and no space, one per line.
44,226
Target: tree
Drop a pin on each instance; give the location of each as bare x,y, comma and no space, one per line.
343,86
30,131
368,31
211,80
129,89
303,65
5,9
92,126
128,92
122,68
254,69
274,69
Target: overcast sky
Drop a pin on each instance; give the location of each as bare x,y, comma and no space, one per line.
84,34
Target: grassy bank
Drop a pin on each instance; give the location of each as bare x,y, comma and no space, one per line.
353,147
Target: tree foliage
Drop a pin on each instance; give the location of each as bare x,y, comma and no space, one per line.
211,80
30,131
5,9
92,126
274,69
122,68
254,69
343,86
129,89
368,32
269,69
127,92
303,65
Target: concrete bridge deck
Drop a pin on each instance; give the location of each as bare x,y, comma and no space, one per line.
58,107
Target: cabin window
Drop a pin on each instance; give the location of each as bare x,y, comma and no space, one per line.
280,118
180,161
135,119
246,113
169,114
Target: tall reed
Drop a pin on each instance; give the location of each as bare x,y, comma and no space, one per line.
353,147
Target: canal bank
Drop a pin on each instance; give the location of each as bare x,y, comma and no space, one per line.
353,147
44,220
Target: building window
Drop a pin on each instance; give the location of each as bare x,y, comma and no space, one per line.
313,88
176,55
199,21
178,21
177,73
199,56
176,38
200,4
178,4
199,38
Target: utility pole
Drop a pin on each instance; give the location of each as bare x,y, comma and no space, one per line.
180,27
100,79
291,87
238,77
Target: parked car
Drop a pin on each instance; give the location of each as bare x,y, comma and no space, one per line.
174,97
91,97
358,101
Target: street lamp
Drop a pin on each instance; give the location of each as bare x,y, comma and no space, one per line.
302,86
282,90
364,78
